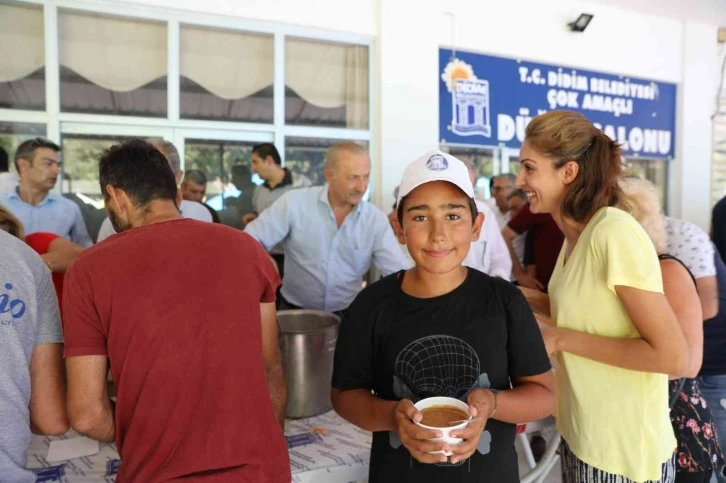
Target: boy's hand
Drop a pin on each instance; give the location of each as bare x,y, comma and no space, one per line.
415,438
481,404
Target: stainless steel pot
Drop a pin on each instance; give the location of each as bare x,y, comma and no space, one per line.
307,344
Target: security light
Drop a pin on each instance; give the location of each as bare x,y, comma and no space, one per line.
581,23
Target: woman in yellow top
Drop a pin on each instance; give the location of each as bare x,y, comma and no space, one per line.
615,337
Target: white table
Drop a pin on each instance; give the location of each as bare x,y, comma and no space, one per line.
341,454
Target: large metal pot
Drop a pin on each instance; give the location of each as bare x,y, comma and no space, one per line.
307,344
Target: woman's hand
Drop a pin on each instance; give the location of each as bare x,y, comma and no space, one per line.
552,339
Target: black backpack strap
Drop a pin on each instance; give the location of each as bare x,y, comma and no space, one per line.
681,381
666,256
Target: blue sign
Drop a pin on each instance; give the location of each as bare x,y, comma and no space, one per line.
488,101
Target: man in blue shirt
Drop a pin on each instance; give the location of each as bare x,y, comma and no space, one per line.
38,162
331,235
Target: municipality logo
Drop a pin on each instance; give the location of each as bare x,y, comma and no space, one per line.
469,100
437,163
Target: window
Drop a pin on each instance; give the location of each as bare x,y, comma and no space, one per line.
14,133
227,166
111,65
226,75
81,153
484,159
307,156
514,164
22,70
326,84
113,82
654,171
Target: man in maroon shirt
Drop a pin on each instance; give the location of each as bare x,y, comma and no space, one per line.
547,241
201,394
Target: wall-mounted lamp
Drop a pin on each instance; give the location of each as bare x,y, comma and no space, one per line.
581,23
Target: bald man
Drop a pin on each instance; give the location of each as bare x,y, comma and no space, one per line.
332,237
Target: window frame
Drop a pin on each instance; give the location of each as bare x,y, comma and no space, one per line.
53,118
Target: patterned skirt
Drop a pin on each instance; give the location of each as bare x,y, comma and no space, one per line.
575,470
698,446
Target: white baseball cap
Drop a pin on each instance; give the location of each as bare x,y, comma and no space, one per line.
435,165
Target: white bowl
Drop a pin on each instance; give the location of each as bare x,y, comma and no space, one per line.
445,432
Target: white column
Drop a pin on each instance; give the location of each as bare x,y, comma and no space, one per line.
279,95
464,113
691,171
408,58
174,59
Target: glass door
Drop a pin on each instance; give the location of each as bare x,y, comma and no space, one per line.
225,158
82,145
510,160
486,160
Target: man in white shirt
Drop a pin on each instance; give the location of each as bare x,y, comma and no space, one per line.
502,187
8,181
489,254
188,209
517,199
332,236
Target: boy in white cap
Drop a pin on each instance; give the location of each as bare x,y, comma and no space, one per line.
440,329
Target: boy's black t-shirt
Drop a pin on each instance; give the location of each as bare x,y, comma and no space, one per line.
479,335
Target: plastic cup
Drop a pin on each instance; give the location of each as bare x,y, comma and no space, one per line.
445,432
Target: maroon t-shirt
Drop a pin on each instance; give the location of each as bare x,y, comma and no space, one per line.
40,242
176,308
547,240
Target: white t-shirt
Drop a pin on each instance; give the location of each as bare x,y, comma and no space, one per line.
691,245
8,182
502,218
29,317
195,211
489,254
189,209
